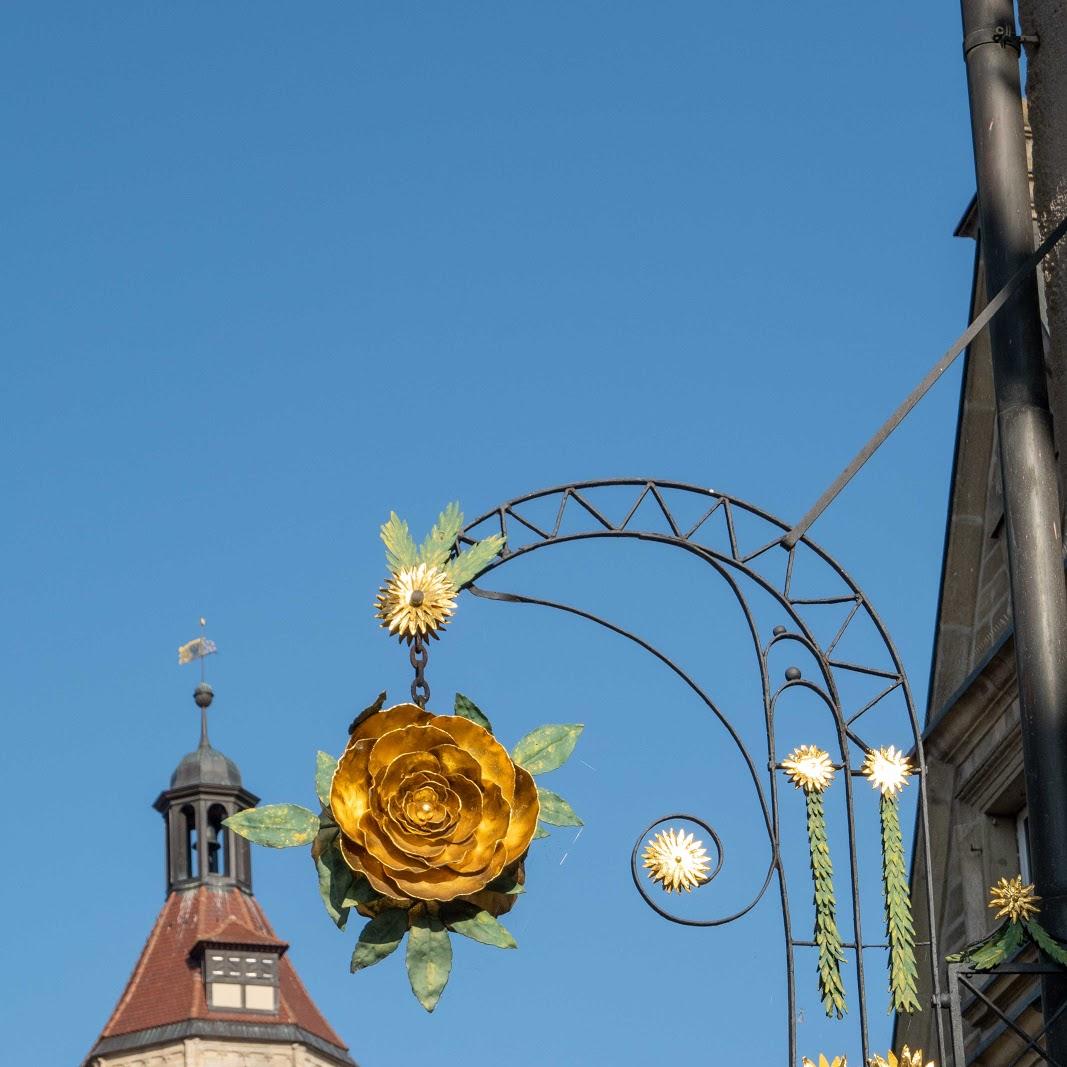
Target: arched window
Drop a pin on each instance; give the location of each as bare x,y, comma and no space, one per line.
190,858
218,846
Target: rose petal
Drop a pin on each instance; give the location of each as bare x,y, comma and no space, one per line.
389,719
490,753
348,790
525,809
407,739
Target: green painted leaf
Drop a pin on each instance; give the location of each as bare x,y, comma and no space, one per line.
400,549
484,928
366,713
508,883
379,938
429,959
335,881
539,832
547,747
325,765
466,707
437,547
470,563
1046,942
555,810
360,891
276,825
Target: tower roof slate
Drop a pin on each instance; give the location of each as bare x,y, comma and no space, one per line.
167,988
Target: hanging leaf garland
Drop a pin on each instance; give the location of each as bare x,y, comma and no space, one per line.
888,770
1017,904
388,767
811,771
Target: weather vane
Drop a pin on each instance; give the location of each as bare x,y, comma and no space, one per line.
197,649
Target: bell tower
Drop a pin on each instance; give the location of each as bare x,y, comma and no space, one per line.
205,789
214,984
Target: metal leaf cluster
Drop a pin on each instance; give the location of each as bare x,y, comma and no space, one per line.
1006,940
900,927
827,935
439,548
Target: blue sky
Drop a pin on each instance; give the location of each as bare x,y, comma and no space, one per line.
271,271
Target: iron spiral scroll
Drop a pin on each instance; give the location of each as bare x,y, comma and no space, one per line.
714,539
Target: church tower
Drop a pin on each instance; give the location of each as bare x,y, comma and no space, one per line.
214,986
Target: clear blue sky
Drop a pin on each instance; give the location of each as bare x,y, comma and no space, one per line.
271,270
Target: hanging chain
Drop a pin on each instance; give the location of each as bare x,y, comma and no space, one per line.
419,656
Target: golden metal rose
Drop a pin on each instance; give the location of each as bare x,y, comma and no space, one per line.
838,1061
431,807
1015,900
416,601
907,1059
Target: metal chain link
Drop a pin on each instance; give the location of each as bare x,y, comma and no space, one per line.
419,657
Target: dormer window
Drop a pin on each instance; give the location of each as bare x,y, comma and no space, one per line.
239,980
240,968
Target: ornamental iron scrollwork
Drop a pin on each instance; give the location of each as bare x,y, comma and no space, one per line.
739,568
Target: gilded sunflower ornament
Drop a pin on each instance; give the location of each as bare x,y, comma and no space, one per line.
907,1059
416,602
1016,901
887,770
837,1061
677,860
809,768
1017,904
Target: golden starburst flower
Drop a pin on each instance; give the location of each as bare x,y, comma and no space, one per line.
809,768
907,1059
678,860
887,770
838,1061
416,601
1015,900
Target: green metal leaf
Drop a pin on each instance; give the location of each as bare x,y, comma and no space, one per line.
547,747
466,707
366,713
437,547
400,551
379,938
470,563
555,810
360,891
539,832
1046,942
429,958
335,881
484,928
325,765
276,825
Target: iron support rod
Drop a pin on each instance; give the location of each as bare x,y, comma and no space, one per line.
1027,462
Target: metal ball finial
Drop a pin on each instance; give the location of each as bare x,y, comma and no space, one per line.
792,674
203,694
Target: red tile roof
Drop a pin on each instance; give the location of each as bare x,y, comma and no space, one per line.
167,985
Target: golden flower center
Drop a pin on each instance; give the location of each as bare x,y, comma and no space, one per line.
416,598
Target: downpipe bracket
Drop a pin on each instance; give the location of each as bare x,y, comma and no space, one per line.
1005,36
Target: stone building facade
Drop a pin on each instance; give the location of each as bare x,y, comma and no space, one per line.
972,737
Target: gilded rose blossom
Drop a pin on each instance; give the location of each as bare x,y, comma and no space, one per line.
430,807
